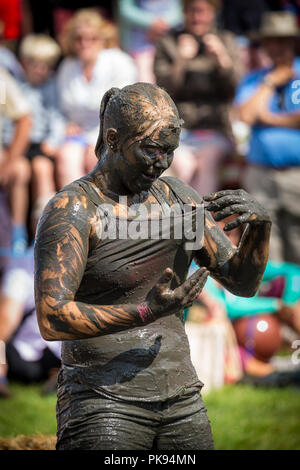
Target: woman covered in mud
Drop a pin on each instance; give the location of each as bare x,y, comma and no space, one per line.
116,302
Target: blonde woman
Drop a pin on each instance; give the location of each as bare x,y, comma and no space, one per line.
94,63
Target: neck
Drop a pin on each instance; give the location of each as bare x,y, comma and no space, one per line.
88,66
89,62
107,176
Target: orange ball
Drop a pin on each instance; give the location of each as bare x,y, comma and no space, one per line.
260,335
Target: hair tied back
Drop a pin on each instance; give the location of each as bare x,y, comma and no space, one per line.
104,102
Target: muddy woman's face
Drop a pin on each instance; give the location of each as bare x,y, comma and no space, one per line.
143,161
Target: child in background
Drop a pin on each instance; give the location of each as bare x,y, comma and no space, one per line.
14,169
39,54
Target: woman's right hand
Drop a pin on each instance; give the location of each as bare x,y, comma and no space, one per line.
162,300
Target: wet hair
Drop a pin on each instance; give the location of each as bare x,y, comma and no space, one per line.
133,110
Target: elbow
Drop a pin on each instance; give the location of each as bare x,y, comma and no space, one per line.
46,335
245,290
248,292
46,322
46,332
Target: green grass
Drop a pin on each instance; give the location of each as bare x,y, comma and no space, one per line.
27,412
251,418
242,417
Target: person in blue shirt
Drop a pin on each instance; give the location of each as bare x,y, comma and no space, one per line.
268,100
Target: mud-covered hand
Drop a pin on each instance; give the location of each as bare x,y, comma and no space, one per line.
162,300
229,202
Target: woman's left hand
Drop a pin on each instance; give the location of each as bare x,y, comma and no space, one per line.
229,202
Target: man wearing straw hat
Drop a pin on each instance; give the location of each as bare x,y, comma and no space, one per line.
269,101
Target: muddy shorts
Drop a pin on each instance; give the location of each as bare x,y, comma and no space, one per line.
88,420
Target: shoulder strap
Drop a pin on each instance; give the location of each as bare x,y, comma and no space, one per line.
188,195
92,193
183,191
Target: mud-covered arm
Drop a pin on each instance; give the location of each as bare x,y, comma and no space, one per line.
67,230
238,268
65,233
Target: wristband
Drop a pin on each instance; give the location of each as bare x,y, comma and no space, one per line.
145,313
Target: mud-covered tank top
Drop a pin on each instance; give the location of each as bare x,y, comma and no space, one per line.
149,362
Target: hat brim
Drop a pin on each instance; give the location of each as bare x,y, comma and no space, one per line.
258,36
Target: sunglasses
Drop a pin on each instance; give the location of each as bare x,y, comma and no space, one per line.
80,38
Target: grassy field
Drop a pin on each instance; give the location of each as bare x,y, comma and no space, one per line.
241,417
27,412
251,418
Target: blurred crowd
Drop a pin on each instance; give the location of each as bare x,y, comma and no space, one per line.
233,70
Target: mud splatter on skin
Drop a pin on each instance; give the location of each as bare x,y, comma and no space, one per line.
64,244
67,233
88,289
242,272
142,128
65,239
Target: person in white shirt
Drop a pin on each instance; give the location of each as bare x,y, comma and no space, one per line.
93,64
